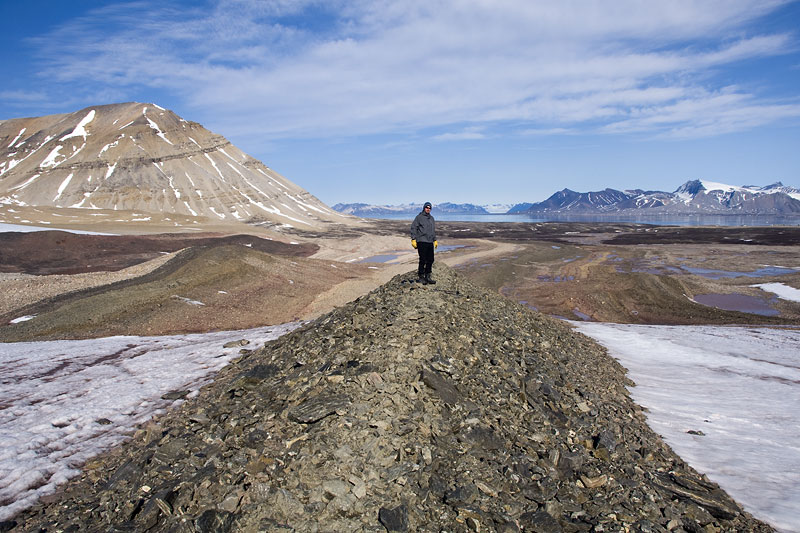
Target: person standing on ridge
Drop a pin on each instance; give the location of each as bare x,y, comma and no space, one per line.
423,238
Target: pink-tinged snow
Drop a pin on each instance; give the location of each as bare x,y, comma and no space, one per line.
740,387
64,402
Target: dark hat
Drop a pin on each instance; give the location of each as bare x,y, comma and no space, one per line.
427,204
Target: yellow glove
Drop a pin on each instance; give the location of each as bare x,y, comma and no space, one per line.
414,243
435,244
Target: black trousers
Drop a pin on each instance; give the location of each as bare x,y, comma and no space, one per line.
425,250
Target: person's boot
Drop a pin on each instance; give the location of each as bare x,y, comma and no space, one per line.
421,278
428,280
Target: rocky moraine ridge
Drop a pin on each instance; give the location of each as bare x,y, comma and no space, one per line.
413,408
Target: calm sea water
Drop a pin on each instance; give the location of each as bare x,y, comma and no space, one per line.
663,220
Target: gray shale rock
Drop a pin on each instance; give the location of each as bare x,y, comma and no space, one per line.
413,408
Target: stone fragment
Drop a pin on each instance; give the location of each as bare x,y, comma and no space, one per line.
230,503
443,387
236,344
175,395
594,482
315,409
214,521
335,487
462,495
539,521
395,519
706,495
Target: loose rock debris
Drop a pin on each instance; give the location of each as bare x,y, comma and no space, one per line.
414,408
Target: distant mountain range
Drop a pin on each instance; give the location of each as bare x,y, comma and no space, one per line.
141,158
368,210
693,197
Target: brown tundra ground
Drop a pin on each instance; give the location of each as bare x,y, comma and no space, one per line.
159,284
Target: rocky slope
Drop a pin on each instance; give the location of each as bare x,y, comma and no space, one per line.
141,158
413,408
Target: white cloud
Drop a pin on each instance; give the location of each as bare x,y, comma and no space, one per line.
469,134
307,69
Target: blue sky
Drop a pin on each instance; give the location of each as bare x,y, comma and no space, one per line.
481,101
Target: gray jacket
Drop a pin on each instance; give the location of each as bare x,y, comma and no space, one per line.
423,228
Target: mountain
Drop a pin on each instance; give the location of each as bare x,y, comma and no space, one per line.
693,197
466,413
141,158
370,210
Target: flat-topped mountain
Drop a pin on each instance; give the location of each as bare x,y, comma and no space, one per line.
413,408
143,158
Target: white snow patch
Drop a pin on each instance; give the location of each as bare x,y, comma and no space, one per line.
154,126
715,186
50,160
187,300
782,290
234,168
215,167
28,182
229,157
20,228
67,401
110,145
740,386
80,129
16,138
63,186
22,319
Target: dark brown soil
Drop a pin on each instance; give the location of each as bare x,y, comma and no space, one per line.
202,289
747,235
639,284
627,273
60,252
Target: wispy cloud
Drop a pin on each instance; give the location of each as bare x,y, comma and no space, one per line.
316,69
467,134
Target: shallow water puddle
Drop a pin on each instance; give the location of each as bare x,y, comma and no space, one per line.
394,254
737,302
720,274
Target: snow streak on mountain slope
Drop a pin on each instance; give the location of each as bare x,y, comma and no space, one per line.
142,157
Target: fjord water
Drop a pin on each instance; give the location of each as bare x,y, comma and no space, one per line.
661,220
